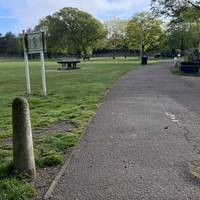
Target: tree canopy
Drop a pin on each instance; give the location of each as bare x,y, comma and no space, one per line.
183,30
72,31
10,44
174,8
144,31
116,37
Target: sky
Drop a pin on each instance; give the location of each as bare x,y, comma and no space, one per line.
18,15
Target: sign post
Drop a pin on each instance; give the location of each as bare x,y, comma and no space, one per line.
43,74
28,85
34,42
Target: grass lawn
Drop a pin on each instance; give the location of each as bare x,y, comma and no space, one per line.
72,95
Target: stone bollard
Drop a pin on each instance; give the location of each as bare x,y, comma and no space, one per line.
23,154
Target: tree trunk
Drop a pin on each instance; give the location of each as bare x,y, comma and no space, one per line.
125,53
142,51
113,54
84,54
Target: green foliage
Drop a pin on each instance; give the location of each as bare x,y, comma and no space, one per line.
71,94
10,44
184,28
173,8
72,31
14,189
50,148
6,163
143,30
50,159
184,32
116,32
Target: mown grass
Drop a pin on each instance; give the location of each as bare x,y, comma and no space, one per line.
73,95
11,186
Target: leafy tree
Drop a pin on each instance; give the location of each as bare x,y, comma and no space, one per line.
9,44
72,31
144,32
116,37
182,36
1,44
184,30
173,8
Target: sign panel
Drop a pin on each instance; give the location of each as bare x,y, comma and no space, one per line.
34,42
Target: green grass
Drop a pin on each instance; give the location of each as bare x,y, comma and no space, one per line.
15,189
73,95
50,148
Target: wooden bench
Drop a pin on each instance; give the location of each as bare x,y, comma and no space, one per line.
68,63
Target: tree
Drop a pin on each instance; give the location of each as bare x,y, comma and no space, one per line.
9,44
173,8
72,31
116,37
183,36
185,29
144,32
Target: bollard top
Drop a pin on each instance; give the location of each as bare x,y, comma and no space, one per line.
19,102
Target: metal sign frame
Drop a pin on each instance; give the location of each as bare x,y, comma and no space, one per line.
34,42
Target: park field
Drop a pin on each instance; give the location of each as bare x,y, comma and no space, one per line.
72,96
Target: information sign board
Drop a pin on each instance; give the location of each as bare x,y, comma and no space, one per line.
34,42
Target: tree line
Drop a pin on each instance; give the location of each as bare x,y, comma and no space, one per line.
10,45
171,25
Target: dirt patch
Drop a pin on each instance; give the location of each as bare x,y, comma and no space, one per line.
45,177
57,127
43,181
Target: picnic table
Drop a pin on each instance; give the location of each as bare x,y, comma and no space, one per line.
68,63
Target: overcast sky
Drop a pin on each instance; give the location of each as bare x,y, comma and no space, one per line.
16,15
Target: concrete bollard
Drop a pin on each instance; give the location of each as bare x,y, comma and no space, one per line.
23,154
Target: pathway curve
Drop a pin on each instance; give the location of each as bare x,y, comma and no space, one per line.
138,144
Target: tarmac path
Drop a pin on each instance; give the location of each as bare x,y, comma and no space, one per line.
139,143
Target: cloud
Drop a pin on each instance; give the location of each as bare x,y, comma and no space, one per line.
28,12
7,17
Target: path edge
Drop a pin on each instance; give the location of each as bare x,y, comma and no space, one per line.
53,185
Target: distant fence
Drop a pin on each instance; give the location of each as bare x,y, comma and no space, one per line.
98,53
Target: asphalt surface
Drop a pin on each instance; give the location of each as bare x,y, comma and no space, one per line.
140,141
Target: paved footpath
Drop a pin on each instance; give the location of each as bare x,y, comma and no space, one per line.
139,143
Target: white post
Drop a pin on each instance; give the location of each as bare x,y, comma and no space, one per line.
44,93
175,60
28,85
